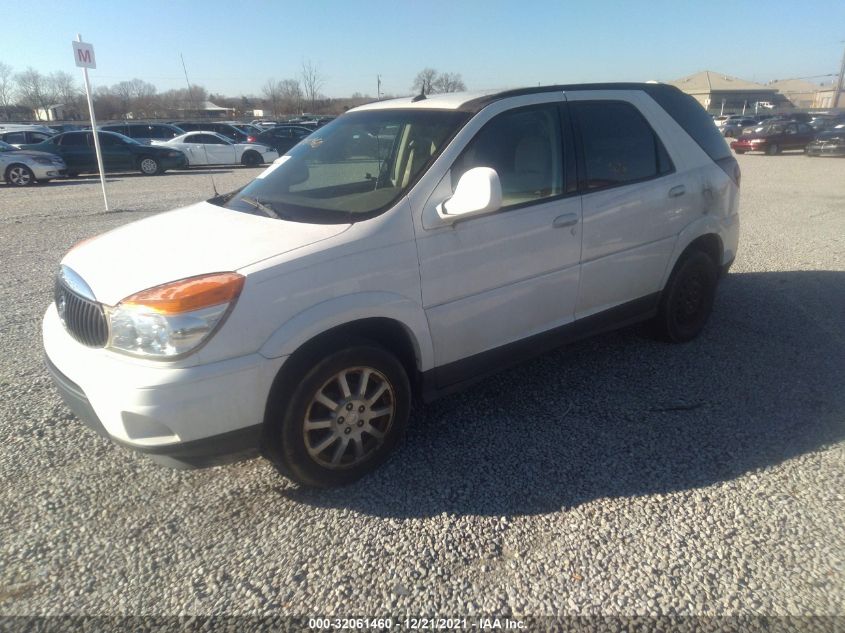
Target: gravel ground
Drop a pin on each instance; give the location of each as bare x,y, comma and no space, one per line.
615,476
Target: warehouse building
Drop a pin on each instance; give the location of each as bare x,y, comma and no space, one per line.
723,94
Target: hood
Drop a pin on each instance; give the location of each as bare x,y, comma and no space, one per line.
199,239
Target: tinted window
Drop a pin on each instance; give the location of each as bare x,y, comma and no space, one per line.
37,137
208,139
107,140
15,137
74,139
689,114
618,144
524,147
162,132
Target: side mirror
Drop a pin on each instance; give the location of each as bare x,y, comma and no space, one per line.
478,191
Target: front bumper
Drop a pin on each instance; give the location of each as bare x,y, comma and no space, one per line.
825,150
46,172
181,417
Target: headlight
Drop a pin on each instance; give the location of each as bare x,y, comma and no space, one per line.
43,160
175,318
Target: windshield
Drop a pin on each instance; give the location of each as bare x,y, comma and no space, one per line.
352,168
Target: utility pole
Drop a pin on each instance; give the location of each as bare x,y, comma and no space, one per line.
378,87
839,82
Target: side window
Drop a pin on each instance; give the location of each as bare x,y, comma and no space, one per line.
76,140
193,138
208,139
524,146
16,137
38,137
107,140
618,144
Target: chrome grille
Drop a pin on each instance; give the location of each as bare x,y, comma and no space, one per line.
83,319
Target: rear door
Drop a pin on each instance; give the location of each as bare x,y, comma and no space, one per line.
77,149
634,202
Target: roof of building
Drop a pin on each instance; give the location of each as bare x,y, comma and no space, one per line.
708,81
787,86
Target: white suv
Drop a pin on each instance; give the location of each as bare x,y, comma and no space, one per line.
407,248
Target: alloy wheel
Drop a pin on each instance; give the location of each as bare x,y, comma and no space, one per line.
349,417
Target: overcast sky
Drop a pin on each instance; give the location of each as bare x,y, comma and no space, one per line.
234,47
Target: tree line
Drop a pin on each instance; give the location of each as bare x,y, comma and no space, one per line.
24,92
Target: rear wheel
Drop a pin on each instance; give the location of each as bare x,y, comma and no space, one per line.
20,175
342,419
773,149
149,166
739,151
251,159
687,300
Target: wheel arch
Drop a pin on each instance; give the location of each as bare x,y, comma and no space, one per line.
702,237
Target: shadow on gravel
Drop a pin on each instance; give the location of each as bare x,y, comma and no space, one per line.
622,415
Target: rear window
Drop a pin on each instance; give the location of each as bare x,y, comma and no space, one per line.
689,114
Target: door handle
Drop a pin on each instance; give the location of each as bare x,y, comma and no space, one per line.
678,191
567,219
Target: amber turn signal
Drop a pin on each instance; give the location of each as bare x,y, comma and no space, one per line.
187,295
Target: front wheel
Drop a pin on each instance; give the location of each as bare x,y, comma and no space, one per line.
149,166
343,418
739,151
20,176
773,149
687,300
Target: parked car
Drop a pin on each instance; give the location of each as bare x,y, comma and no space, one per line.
251,130
120,153
775,137
208,148
33,127
734,127
64,127
25,136
301,312
822,123
145,133
828,143
228,130
22,168
283,137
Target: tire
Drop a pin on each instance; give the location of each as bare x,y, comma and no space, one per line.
149,166
687,300
347,437
19,175
773,149
739,151
72,174
251,159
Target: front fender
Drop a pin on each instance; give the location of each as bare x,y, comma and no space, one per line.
341,310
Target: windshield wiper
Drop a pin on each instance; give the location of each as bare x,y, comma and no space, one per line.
261,206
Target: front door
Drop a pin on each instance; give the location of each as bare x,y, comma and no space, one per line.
500,278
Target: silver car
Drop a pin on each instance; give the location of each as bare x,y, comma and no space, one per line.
26,167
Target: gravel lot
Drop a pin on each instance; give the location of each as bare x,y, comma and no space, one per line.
616,476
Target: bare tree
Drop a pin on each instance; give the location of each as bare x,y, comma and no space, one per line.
66,90
291,93
448,82
144,102
424,81
33,90
312,81
272,91
6,87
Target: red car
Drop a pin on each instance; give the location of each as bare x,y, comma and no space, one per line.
775,137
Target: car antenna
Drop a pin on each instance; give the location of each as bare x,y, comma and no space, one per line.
419,97
213,187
